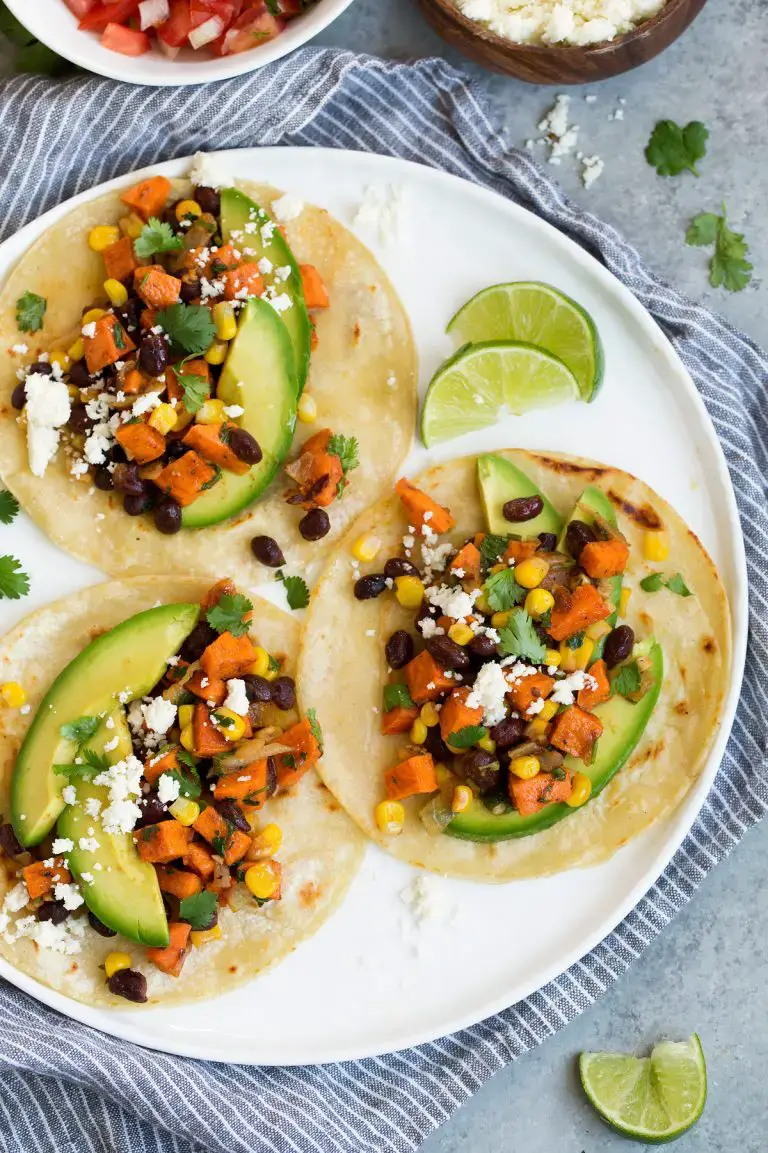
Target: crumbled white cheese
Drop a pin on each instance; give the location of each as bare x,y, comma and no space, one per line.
429,627
20,349
168,789
145,403
47,409
69,895
208,172
426,900
61,846
92,806
110,746
489,692
124,783
558,134
17,898
88,844
89,330
453,601
287,207
159,715
265,266
575,22
233,411
592,169
69,795
237,698
565,690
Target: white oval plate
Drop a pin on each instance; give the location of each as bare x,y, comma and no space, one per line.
373,980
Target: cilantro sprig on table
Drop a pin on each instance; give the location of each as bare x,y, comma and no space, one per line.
672,149
156,236
728,265
31,55
189,327
228,616
9,507
14,582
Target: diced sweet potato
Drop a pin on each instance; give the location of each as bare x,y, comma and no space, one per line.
41,878
190,368
211,825
148,197
529,689
213,690
530,796
518,550
119,260
315,292
156,287
171,959
230,842
237,846
223,588
248,785
110,342
141,441
412,776
242,282
467,562
583,607
155,766
421,509
228,656
185,478
161,843
426,678
575,731
604,558
178,882
316,472
456,714
208,740
398,720
199,859
589,697
211,441
304,755
221,259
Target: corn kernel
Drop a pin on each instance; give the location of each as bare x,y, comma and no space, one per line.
76,350
131,225
409,591
366,547
116,962
117,292
186,208
185,811
581,792
583,654
163,418
567,658
186,713
390,817
624,601
260,666
462,798
429,715
13,694
266,842
59,356
552,658
211,412
306,409
442,774
199,937
538,602
656,545
102,236
460,633
93,314
525,767
598,630
263,880
187,738
224,320
230,724
531,572
418,733
536,729
500,620
217,353
548,711
487,743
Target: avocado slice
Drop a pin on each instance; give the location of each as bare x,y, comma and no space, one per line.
623,725
128,660
237,211
501,481
592,501
259,376
123,892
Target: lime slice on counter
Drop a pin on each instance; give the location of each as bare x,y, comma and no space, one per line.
652,1099
482,383
536,314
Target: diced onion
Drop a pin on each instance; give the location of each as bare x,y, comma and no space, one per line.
168,49
205,33
153,12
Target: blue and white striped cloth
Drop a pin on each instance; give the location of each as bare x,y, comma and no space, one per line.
67,1089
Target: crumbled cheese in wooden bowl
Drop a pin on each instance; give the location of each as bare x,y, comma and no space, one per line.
576,22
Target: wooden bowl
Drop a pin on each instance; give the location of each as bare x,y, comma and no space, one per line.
558,64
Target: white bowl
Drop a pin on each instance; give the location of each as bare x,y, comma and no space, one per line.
52,22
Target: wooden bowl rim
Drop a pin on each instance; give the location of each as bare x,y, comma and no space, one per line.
476,31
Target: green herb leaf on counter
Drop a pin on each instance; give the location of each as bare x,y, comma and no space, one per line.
32,56
9,506
728,267
672,149
703,229
502,591
190,327
520,639
14,582
228,615
467,737
30,310
199,909
156,236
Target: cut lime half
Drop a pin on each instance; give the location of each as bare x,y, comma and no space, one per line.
483,383
652,1099
536,314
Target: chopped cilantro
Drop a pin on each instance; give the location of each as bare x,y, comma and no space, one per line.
196,390
626,679
188,786
274,664
228,616
466,737
93,763
397,697
677,585
296,591
502,591
576,641
14,582
558,773
219,845
9,506
652,583
672,149
118,335
30,310
314,725
80,730
520,639
491,549
198,910
190,327
347,450
156,236
185,758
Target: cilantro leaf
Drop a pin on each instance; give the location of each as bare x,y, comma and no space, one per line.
199,909
14,582
576,641
9,506
728,265
80,730
297,592
196,390
156,236
677,585
92,764
190,327
346,449
30,310
703,229
502,591
274,664
228,616
467,737
672,149
652,583
520,639
188,786
314,725
397,697
627,679
491,548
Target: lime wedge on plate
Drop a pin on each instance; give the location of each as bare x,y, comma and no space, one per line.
536,314
484,382
653,1099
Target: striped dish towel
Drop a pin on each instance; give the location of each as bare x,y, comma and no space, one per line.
67,1089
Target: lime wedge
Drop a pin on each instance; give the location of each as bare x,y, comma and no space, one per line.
537,314
484,382
652,1099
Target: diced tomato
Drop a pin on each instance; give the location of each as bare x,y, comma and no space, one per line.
177,27
125,40
250,30
202,10
118,12
80,8
290,8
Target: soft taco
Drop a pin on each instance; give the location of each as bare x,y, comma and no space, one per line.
191,375
530,673
164,835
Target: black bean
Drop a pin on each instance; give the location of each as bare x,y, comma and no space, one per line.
399,649
547,542
152,810
42,367
507,732
171,906
79,374
257,688
482,646
268,551
79,420
9,842
425,610
190,287
168,516
52,911
435,745
208,199
481,768
271,777
102,478
197,642
315,524
447,653
99,926
576,536
398,566
129,983
284,693
136,504
522,508
368,587
126,479
153,354
130,313
116,455
19,396
244,446
618,645
231,811
175,448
